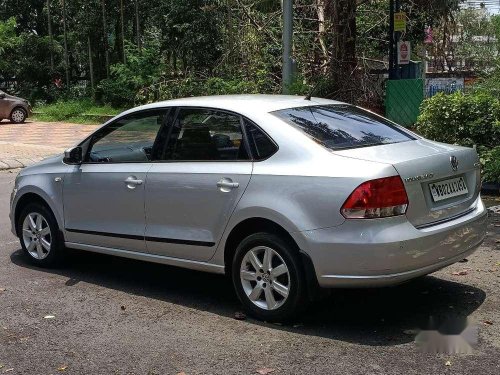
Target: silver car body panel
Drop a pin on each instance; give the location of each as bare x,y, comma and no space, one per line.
179,215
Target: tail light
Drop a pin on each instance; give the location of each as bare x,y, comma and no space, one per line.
382,197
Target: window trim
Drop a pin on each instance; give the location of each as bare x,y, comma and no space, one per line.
168,126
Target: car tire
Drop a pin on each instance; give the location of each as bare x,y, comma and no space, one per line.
276,292
39,235
18,115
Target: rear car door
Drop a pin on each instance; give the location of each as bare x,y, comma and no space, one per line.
193,191
104,196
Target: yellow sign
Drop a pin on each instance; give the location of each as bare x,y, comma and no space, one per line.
400,21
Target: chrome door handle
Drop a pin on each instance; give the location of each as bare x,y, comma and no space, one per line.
132,182
227,184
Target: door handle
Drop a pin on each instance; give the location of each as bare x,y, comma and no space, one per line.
132,182
226,184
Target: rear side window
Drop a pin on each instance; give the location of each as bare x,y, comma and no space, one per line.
261,145
341,126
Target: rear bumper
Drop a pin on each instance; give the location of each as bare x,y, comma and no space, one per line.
379,252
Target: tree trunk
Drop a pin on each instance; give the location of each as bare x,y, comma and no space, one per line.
51,38
343,62
122,26
91,68
105,36
138,29
320,10
66,60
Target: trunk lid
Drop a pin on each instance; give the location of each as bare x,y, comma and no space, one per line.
422,165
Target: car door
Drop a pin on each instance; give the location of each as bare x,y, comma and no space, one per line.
193,191
104,196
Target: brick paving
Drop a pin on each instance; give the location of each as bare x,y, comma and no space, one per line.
25,144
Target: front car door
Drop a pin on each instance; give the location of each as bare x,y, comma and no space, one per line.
191,194
104,196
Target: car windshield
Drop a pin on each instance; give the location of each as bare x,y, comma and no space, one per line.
342,126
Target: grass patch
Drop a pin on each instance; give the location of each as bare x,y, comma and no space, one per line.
83,111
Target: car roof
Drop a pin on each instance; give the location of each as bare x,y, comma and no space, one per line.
250,103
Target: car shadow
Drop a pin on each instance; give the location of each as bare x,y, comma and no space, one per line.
377,317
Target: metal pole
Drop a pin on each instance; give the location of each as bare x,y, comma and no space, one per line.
287,45
392,54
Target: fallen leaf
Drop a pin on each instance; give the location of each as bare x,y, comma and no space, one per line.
49,317
122,307
181,373
62,368
9,370
1,365
264,371
238,315
459,273
2,290
488,322
447,363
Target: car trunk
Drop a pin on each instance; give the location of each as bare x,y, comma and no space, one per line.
424,165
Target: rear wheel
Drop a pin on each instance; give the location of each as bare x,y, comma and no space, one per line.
268,277
18,115
39,235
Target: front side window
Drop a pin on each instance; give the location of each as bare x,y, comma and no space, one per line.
206,135
342,126
129,139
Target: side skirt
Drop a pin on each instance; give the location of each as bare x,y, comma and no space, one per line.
184,263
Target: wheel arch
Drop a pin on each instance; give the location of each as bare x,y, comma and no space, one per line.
32,197
18,106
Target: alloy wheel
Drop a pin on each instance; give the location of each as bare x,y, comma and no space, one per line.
37,236
18,115
265,278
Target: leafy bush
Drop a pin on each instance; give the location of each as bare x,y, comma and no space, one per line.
73,111
491,165
461,119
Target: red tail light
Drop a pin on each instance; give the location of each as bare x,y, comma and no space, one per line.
382,197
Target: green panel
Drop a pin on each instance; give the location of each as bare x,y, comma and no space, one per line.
402,100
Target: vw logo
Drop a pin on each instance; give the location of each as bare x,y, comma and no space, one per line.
454,162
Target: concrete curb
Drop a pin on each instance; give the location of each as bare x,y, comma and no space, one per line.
6,164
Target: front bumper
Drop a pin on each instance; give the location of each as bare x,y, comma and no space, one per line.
379,252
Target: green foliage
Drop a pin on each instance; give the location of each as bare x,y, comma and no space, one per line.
491,165
142,69
466,120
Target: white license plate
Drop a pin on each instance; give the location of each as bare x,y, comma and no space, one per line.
448,189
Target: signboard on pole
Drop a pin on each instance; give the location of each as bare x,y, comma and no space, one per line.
404,52
400,21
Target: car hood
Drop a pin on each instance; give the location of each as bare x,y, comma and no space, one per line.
51,164
15,97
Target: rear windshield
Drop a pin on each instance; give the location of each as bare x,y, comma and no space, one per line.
342,126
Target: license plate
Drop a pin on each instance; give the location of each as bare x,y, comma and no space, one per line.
448,189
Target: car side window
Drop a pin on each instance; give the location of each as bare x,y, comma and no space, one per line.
129,139
261,145
206,135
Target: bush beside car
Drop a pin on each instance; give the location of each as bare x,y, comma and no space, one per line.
466,120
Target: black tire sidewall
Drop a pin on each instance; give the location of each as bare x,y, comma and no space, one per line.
24,112
296,300
55,253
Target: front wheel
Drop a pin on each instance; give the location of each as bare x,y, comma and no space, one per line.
18,115
39,235
268,277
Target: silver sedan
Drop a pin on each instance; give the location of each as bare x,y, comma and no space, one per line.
284,194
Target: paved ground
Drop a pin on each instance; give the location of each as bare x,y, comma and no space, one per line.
117,316
24,144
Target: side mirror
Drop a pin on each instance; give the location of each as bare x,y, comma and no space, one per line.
73,156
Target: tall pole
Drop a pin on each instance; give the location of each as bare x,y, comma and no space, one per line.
139,43
51,38
105,36
122,31
392,54
66,60
91,68
287,45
